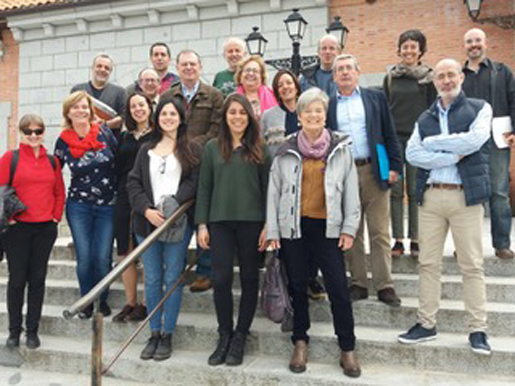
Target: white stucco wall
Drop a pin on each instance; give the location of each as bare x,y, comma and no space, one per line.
56,48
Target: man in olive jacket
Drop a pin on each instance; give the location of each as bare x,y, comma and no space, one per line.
203,105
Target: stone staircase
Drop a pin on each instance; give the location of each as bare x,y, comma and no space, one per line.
66,345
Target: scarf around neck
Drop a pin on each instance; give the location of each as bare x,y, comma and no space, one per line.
80,146
316,150
422,73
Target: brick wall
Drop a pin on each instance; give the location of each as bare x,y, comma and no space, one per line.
9,70
375,28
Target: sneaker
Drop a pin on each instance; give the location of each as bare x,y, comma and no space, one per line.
414,249
357,293
151,346
138,313
121,316
398,249
479,343
315,290
201,284
236,349
164,348
389,297
417,334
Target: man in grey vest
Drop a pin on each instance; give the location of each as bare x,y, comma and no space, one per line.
449,146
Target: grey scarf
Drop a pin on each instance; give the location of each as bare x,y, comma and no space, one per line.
422,73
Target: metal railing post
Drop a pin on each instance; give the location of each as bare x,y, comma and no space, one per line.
96,346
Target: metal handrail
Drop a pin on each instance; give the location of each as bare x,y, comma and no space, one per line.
96,291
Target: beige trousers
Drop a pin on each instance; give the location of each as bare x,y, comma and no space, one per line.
441,210
375,209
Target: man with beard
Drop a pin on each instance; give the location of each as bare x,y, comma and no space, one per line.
100,88
449,146
493,82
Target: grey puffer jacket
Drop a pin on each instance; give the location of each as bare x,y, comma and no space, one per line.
340,186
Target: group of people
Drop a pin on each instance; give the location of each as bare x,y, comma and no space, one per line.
298,167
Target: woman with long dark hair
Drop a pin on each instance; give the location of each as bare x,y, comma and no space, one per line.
139,125
30,236
164,177
230,213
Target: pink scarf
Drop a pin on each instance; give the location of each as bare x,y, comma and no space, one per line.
265,95
316,150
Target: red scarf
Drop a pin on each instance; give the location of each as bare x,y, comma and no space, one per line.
80,146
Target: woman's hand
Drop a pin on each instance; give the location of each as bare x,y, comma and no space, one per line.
203,236
262,243
155,217
345,242
275,244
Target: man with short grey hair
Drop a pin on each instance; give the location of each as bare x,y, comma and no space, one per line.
100,88
320,74
149,82
449,146
234,50
363,114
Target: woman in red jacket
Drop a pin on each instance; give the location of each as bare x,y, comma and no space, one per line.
30,237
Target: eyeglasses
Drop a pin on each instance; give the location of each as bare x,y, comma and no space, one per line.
251,70
29,132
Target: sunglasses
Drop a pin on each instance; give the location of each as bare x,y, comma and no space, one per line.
29,132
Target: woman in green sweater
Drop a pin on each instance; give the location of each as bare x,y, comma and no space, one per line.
410,91
230,213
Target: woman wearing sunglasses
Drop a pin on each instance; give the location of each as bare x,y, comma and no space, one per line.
30,236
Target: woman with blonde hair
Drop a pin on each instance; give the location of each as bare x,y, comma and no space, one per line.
251,78
88,148
30,236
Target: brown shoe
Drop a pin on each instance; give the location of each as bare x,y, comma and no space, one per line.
299,358
357,293
138,314
201,284
504,253
121,316
388,296
350,364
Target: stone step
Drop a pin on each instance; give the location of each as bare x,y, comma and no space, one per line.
67,349
499,289
403,264
25,376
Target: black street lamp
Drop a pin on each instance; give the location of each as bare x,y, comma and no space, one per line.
339,31
256,43
474,8
296,27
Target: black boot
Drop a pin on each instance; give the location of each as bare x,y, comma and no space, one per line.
220,353
87,313
164,349
13,340
32,341
235,354
151,347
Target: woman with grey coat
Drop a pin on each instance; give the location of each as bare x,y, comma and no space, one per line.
313,213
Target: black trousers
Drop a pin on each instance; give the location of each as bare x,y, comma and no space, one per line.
240,238
28,247
298,256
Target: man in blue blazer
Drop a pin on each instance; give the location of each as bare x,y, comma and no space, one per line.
363,114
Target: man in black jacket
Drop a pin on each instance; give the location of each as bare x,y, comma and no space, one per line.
494,83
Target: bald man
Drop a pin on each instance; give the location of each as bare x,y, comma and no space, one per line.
449,146
493,82
320,75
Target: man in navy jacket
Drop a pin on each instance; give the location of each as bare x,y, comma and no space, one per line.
364,115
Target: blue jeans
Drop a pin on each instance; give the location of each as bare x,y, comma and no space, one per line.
500,211
203,263
92,231
164,263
